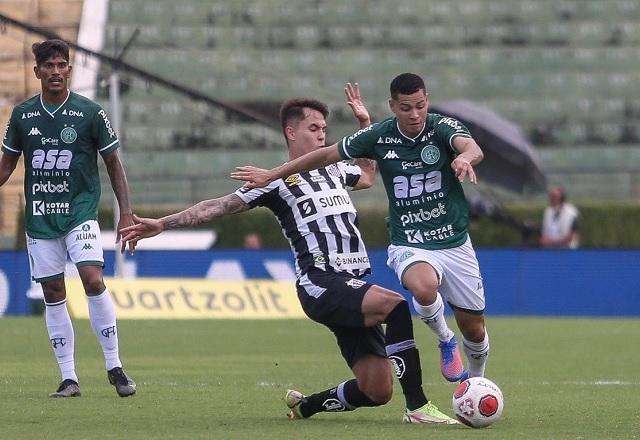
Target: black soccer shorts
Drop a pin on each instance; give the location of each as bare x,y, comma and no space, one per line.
335,300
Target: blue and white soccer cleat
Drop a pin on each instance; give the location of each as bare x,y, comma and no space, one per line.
451,364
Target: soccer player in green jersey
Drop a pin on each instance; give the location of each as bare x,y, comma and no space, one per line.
60,134
318,218
423,158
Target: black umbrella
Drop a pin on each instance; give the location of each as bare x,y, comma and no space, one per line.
510,161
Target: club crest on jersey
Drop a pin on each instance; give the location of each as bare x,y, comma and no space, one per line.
68,135
293,180
430,154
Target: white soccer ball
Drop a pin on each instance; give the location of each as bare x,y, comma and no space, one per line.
478,402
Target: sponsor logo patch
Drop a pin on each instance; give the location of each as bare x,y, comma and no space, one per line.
398,366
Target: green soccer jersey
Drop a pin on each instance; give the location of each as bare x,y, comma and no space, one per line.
60,147
427,207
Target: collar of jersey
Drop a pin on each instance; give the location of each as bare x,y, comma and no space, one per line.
407,137
59,107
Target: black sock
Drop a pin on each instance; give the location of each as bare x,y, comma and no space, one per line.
345,397
401,349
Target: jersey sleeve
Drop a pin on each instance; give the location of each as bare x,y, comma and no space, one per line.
359,144
350,172
11,142
105,137
257,196
447,129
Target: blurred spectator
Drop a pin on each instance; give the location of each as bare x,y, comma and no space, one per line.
252,241
560,222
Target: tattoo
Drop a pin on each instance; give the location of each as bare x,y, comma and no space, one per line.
205,211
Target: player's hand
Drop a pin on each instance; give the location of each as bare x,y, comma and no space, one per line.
143,228
352,91
254,177
463,169
125,221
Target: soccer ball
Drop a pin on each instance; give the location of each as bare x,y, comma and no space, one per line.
477,402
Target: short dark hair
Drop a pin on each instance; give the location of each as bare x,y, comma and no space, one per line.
406,84
293,110
49,49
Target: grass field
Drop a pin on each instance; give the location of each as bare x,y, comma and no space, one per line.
562,379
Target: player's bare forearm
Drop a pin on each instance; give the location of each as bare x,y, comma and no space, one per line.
205,211
7,166
469,150
119,182
259,177
368,176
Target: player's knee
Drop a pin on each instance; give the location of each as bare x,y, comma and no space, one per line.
379,393
425,293
94,286
474,332
53,291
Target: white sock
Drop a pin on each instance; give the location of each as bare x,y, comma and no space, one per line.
61,337
103,322
433,316
477,354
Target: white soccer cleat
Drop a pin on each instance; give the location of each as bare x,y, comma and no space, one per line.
292,399
428,414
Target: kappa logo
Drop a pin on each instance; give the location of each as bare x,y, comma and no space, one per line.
35,132
87,247
391,154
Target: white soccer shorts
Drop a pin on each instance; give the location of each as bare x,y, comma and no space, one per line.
48,257
457,268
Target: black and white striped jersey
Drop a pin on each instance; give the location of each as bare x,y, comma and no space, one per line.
318,217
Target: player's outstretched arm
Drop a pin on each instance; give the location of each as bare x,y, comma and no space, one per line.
259,177
469,155
354,100
368,166
199,213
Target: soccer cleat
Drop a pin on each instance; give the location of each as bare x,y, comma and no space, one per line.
125,386
429,414
67,388
292,399
451,364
